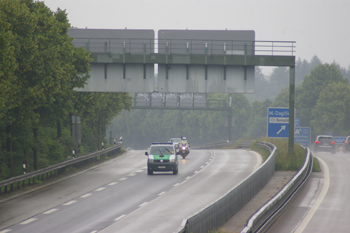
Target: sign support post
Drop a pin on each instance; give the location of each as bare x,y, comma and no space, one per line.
291,109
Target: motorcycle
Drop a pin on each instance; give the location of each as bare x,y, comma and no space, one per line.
184,150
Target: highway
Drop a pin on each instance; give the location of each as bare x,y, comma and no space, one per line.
323,205
119,196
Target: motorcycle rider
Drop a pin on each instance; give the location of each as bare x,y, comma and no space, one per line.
184,142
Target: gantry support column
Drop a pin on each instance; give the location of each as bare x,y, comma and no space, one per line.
291,109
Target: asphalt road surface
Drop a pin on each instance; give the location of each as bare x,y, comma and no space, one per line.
323,206
119,196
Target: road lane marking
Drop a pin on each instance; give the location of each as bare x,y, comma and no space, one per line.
143,204
161,193
195,172
86,195
69,203
123,178
5,231
113,183
319,200
100,189
50,211
188,177
132,174
120,217
139,170
28,221
176,184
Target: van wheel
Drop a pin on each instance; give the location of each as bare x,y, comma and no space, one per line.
150,172
175,171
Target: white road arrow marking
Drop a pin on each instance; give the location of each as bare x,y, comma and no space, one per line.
283,127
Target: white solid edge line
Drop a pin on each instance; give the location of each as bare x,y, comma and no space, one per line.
319,200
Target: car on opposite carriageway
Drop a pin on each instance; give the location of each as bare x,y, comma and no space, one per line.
325,143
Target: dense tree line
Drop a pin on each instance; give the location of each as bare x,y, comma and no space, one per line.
39,69
322,102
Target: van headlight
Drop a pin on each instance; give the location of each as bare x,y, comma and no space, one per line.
150,160
171,160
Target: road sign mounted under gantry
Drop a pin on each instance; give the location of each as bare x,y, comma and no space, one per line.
278,122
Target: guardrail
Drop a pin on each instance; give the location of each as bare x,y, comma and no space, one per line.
55,169
184,46
269,213
216,214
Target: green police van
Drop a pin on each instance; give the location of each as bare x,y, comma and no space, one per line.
162,157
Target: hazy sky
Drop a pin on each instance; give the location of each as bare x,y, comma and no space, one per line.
319,27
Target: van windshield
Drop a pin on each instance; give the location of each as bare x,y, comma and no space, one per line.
162,150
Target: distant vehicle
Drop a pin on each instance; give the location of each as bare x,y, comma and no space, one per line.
175,141
325,143
346,146
162,157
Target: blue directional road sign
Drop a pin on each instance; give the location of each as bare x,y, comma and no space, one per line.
302,135
278,122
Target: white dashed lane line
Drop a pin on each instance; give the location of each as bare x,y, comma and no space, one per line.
69,203
133,174
86,195
139,171
161,193
5,231
143,204
100,189
113,183
28,221
50,211
120,217
123,178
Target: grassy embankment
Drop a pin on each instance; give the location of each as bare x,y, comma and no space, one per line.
285,161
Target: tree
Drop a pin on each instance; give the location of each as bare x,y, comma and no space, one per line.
258,119
331,111
312,86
